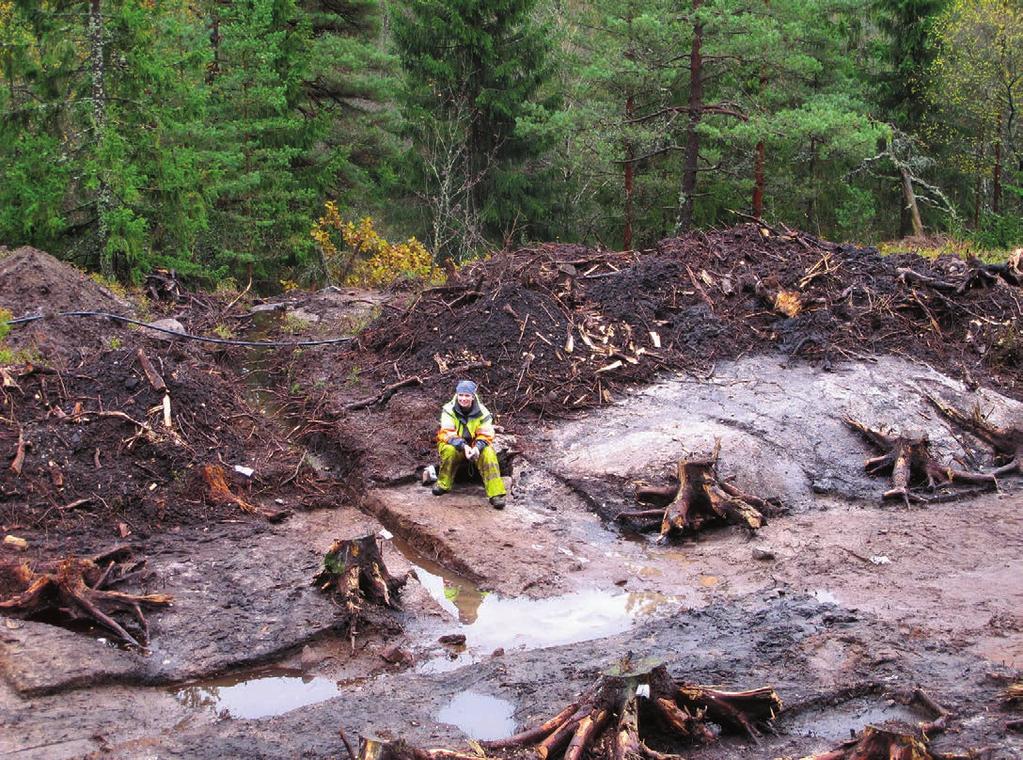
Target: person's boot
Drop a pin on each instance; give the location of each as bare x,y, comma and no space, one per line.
497,502
438,491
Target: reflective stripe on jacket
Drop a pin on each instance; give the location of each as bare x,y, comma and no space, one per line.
475,424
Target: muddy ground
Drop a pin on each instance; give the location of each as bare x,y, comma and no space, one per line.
842,602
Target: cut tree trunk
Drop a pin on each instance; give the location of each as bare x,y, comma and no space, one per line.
78,590
1007,442
354,572
877,743
700,498
612,721
911,465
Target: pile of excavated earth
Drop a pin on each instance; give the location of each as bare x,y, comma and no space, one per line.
764,502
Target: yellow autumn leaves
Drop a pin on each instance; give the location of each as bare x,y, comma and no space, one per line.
356,254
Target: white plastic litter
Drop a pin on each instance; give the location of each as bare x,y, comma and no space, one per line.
246,471
880,559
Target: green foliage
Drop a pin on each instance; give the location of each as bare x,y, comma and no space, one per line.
471,70
999,231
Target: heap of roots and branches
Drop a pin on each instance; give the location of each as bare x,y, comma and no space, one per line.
700,497
353,572
615,717
76,590
1007,442
911,464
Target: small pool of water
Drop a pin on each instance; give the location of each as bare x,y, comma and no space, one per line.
257,694
479,716
490,621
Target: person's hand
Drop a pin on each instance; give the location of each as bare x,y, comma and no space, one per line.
455,441
471,453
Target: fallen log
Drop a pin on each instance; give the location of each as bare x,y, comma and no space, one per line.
76,590
1007,442
911,464
354,572
700,497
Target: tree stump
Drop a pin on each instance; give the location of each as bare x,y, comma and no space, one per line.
911,464
880,743
76,590
700,498
1007,442
610,719
353,572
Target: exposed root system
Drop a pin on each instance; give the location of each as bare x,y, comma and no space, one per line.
615,717
699,498
1007,442
911,465
79,590
354,572
881,743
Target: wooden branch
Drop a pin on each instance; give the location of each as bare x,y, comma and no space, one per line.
151,374
384,395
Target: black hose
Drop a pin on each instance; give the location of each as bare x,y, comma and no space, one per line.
186,336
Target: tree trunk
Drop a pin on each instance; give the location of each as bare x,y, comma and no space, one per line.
758,181
99,120
909,198
758,159
688,187
811,203
630,157
996,189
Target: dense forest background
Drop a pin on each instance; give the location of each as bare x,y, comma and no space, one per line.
237,138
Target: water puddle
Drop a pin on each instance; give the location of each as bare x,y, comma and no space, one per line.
825,597
490,621
257,694
844,720
479,716
456,594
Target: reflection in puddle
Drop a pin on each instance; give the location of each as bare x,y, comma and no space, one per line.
456,594
825,596
479,716
492,622
273,691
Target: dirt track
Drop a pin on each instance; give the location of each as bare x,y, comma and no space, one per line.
843,604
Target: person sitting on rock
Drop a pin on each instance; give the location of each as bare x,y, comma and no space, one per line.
467,434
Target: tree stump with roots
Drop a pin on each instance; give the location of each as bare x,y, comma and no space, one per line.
1007,442
911,464
880,743
615,717
353,572
699,498
76,590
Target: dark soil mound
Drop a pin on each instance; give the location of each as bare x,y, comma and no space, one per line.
558,328
33,282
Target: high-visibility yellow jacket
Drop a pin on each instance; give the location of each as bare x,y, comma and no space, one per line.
471,425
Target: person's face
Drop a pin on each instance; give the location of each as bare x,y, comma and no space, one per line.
465,400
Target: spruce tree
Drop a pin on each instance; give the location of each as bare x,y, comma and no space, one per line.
471,69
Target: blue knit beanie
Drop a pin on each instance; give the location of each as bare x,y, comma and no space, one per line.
466,386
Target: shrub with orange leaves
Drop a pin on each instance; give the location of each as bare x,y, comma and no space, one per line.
362,257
